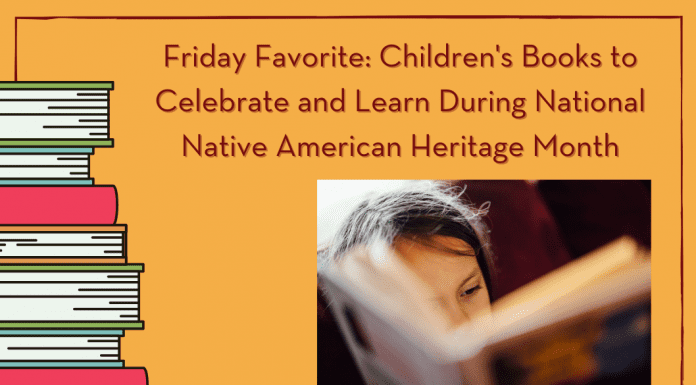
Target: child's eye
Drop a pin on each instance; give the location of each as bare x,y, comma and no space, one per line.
470,291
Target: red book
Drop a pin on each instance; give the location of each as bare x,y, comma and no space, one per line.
85,205
125,376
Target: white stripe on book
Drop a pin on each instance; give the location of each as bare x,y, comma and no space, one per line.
53,94
45,107
44,160
70,309
44,172
57,276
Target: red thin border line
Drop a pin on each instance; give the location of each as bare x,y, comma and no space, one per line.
382,17
351,17
681,123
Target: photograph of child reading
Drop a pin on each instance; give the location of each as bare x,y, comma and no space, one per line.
483,282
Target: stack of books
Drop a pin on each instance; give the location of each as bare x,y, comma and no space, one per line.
67,291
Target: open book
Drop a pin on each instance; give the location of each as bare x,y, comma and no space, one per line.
587,322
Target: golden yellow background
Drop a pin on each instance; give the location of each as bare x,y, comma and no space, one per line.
228,243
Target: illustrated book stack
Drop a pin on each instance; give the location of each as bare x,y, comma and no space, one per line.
67,291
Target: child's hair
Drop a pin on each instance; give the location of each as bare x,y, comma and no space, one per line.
420,209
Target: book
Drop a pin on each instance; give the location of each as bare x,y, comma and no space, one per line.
40,166
56,113
83,376
59,348
588,321
62,242
88,294
43,205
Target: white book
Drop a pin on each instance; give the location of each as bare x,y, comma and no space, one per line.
62,244
53,160
44,166
69,296
59,126
115,306
19,173
59,348
54,110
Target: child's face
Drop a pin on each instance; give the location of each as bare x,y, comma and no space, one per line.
449,266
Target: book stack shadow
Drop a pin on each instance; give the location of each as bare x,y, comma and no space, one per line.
67,290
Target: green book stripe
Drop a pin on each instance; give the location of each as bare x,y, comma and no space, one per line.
57,85
57,143
97,267
71,325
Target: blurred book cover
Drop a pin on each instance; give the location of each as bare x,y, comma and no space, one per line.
585,321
